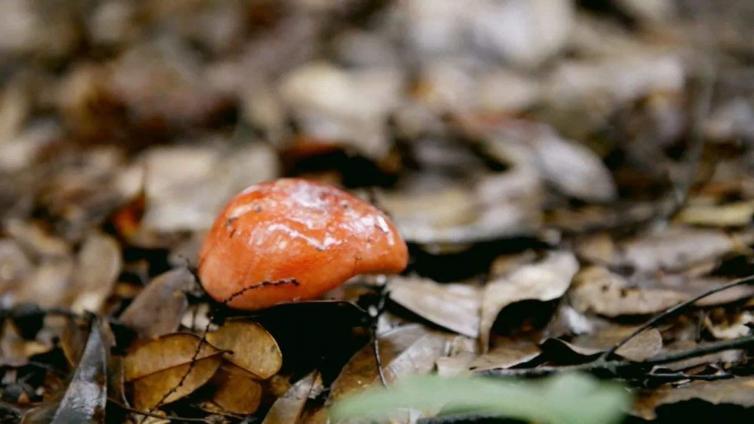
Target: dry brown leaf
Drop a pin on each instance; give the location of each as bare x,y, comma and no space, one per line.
98,265
236,391
572,168
287,409
736,391
646,344
544,281
600,291
249,346
166,352
150,390
159,307
497,205
453,306
505,355
395,346
673,249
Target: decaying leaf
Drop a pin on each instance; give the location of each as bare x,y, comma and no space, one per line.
166,352
173,383
413,348
84,400
249,346
235,390
453,306
287,409
544,281
600,291
737,391
158,309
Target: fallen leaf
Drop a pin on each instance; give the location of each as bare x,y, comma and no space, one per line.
736,391
645,345
168,351
413,348
673,249
495,206
597,290
84,400
572,168
157,310
544,281
505,355
171,384
235,390
453,306
248,346
288,408
97,267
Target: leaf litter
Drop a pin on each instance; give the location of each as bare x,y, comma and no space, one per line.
558,188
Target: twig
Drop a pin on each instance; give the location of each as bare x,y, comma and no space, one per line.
700,110
150,414
621,368
375,340
701,350
675,310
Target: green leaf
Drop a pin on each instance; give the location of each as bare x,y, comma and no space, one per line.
571,398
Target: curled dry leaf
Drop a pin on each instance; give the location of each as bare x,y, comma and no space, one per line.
235,390
163,353
544,281
453,306
600,291
84,400
288,408
410,349
173,383
249,346
159,307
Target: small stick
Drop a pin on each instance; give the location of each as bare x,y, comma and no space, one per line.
675,310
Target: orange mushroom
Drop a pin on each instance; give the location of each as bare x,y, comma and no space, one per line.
293,239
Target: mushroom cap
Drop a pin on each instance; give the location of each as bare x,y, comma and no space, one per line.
293,239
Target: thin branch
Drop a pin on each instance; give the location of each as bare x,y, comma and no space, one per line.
621,368
673,311
375,340
701,350
153,415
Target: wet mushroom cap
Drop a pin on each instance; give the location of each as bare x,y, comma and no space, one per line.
293,239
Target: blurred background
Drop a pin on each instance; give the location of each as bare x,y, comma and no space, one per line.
470,122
